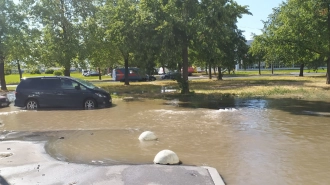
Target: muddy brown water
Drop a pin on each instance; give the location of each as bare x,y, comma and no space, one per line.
247,141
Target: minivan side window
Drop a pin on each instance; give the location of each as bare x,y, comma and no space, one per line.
66,84
50,83
70,84
30,83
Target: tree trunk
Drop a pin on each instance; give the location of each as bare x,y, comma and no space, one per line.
64,26
328,70
328,61
259,67
214,71
210,72
2,74
100,78
126,70
19,70
206,66
302,66
67,69
272,68
184,82
219,73
179,67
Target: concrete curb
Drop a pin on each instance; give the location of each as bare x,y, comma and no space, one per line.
214,175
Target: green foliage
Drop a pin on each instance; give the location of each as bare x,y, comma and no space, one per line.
297,32
7,71
146,33
60,41
219,43
35,71
49,71
58,72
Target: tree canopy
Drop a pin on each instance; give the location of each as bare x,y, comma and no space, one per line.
298,31
110,33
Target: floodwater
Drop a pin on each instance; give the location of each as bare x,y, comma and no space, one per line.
248,141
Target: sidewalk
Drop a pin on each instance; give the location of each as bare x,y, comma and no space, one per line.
27,163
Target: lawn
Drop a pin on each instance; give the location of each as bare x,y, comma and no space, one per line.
311,86
14,78
276,71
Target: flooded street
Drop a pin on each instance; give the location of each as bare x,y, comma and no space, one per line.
247,141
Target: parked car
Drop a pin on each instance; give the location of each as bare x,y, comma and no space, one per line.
84,71
4,101
92,73
171,75
162,71
134,74
59,91
150,78
190,71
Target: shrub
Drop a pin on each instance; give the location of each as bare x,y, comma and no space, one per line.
35,71
7,71
49,71
58,73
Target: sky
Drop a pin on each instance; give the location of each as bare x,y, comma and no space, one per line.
260,10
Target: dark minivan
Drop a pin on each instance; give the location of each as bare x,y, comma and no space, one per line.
60,91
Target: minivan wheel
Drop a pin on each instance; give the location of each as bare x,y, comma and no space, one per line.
89,104
31,104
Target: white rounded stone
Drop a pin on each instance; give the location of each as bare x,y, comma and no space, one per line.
166,157
147,136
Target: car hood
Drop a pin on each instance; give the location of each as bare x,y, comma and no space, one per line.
100,90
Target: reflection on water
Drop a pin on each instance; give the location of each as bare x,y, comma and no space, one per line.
166,89
248,141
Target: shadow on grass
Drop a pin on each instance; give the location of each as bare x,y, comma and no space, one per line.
301,106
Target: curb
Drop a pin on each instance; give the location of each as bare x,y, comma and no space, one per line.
214,175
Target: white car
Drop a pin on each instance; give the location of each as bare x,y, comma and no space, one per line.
161,71
84,72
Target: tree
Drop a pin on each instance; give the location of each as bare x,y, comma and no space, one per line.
176,22
257,51
100,51
219,42
10,24
299,30
120,23
59,22
24,44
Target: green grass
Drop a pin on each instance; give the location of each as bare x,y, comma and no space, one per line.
14,78
266,86
275,86
269,71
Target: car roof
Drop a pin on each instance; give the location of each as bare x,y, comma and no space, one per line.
68,77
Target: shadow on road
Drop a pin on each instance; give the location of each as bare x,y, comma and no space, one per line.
3,181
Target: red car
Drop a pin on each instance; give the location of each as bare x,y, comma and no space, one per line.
190,71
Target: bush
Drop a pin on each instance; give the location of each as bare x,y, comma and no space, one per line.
49,71
58,73
7,71
35,71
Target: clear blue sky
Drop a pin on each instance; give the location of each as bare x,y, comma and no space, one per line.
260,10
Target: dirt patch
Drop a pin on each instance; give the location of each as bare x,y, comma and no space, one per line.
5,155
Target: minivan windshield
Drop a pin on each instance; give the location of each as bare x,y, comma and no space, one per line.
86,83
